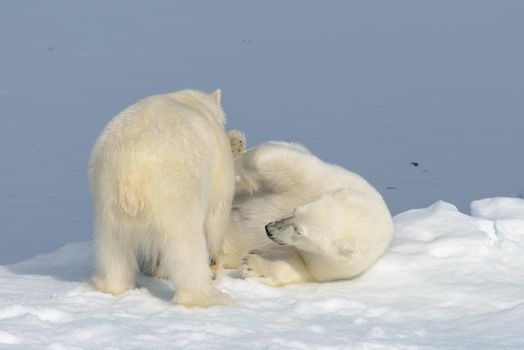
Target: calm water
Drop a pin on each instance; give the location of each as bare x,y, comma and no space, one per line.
374,87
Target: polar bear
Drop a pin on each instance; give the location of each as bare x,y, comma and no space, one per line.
298,219
162,182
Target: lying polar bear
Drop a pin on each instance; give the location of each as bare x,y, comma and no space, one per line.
324,223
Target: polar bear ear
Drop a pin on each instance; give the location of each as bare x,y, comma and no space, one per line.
217,96
345,248
342,194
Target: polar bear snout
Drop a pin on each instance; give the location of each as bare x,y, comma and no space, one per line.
268,233
270,228
280,231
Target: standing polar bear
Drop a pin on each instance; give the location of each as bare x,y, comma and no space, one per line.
162,181
324,223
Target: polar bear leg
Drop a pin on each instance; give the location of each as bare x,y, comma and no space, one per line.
116,258
184,258
270,167
276,267
216,226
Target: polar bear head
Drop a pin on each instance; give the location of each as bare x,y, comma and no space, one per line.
330,225
207,104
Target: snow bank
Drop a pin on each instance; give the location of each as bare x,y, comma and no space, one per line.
449,281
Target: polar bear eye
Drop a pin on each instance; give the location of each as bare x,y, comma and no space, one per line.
298,231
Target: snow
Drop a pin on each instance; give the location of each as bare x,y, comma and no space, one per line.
449,281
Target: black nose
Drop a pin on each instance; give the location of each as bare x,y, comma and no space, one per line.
269,234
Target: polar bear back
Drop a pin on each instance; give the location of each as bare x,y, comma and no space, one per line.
152,142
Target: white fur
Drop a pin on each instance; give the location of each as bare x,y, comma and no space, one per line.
332,223
162,183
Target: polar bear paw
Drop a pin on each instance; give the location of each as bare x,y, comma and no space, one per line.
112,286
237,140
275,267
198,298
256,267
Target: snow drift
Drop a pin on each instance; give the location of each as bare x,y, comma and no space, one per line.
449,281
